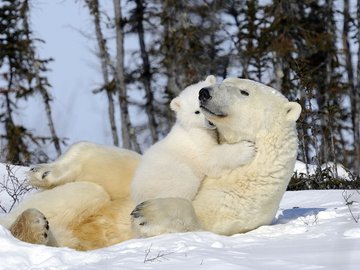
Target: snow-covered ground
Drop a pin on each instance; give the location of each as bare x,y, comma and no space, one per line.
312,230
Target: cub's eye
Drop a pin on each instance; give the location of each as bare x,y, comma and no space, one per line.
244,93
197,112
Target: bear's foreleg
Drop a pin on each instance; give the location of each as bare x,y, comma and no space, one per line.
164,215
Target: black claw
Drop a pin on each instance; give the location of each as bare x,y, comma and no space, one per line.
34,169
142,223
140,206
45,235
45,174
47,227
135,213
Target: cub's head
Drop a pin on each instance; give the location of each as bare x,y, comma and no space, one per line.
241,109
187,106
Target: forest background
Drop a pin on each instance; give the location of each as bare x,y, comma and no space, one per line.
307,49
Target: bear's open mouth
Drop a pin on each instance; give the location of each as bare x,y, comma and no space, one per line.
214,113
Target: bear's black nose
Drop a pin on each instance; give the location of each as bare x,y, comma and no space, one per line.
204,94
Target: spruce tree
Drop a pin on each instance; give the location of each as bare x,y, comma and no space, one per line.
22,76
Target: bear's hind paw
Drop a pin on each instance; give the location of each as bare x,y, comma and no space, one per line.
32,227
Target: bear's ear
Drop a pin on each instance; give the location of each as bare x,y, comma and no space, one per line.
210,79
293,111
175,104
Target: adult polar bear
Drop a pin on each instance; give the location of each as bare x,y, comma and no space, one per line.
237,202
248,196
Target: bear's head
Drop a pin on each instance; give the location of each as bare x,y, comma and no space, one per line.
187,106
242,109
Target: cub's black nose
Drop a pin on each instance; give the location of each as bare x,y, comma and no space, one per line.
204,94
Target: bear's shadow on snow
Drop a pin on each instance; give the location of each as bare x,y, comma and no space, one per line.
287,215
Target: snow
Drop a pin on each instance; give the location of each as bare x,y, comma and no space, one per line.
312,230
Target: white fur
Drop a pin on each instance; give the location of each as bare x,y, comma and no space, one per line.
248,196
85,161
62,205
85,215
175,166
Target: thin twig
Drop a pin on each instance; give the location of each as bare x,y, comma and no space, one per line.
159,256
13,187
349,203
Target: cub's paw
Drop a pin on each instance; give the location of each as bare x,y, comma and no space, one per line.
41,176
32,227
246,152
163,215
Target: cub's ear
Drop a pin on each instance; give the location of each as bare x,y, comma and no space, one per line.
293,111
175,104
210,79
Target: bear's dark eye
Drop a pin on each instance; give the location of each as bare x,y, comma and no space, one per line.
197,112
244,93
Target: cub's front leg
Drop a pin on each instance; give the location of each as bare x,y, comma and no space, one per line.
225,157
164,215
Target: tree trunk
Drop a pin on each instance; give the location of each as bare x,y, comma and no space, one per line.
356,104
93,6
235,10
54,137
146,72
127,131
16,148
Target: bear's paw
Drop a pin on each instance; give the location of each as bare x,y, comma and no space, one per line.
164,215
40,176
32,227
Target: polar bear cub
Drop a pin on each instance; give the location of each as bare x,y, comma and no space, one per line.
176,165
